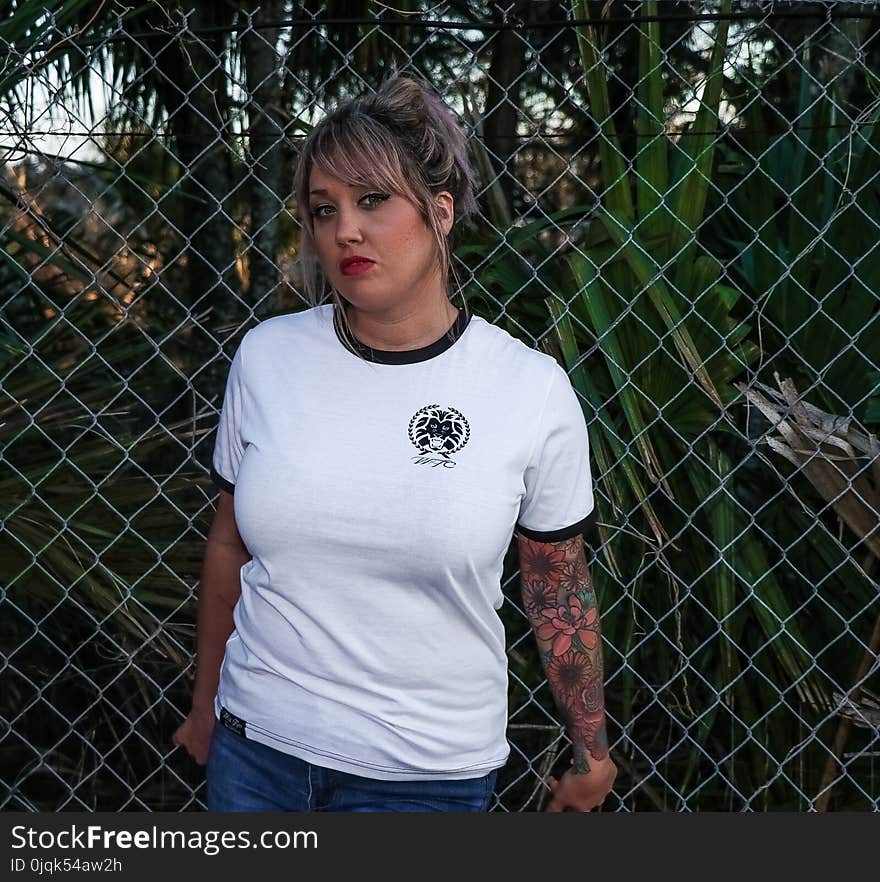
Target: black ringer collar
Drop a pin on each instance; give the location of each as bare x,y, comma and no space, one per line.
411,356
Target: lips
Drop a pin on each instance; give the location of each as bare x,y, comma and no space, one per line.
354,265
351,261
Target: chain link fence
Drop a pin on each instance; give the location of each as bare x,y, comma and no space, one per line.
679,201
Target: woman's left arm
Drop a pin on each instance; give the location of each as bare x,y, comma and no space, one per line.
562,609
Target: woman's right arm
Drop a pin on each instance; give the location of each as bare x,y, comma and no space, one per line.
219,590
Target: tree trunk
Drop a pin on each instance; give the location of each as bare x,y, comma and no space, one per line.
262,67
199,126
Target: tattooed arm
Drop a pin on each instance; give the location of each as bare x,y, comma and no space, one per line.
561,606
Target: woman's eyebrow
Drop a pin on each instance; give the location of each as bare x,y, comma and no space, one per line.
324,192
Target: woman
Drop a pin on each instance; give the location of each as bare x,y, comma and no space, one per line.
373,457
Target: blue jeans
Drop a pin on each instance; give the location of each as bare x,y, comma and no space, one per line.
246,776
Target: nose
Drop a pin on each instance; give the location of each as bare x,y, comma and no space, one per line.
347,228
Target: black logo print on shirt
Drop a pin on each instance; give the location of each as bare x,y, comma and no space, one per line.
236,724
438,432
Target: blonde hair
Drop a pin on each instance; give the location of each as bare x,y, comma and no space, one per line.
402,138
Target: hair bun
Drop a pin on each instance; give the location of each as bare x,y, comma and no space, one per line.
410,106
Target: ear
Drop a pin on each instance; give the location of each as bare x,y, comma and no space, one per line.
446,204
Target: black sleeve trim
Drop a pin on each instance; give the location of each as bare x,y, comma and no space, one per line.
220,481
582,527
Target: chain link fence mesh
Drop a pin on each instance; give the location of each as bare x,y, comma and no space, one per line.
679,201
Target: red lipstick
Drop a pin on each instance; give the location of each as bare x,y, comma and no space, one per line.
352,266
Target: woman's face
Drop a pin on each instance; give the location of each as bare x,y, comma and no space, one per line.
385,228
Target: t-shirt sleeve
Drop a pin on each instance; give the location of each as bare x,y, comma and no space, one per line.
558,502
229,448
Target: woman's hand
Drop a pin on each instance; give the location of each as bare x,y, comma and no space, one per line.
582,791
194,734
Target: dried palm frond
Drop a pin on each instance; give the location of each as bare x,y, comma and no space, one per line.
841,461
864,713
843,464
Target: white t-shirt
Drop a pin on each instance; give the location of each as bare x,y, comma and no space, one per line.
378,499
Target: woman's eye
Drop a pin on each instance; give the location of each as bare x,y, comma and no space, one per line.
380,197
